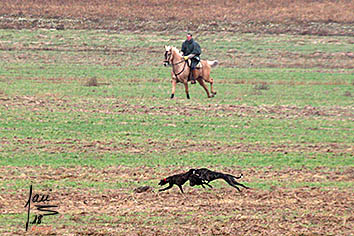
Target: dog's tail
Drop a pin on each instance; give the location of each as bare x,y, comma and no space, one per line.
213,63
237,177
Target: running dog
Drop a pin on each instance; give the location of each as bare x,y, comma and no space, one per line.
195,180
179,180
205,176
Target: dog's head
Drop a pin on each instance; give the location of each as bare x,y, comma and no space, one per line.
163,182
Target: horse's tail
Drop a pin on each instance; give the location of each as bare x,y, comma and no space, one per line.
213,63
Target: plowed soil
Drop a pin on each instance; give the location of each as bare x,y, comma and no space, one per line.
303,210
96,200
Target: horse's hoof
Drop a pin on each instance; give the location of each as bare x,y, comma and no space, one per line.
214,93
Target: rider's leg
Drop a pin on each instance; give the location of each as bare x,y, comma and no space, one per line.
192,76
193,70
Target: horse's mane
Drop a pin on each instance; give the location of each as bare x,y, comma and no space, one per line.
176,50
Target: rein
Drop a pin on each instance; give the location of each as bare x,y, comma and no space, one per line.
184,66
168,57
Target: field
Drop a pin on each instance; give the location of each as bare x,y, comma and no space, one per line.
85,118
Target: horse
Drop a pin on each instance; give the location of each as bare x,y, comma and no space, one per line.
180,71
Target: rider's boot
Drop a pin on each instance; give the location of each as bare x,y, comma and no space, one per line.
192,76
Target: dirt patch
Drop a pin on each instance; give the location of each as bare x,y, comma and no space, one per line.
92,82
300,17
116,106
222,210
135,176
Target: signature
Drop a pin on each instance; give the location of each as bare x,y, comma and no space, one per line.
46,209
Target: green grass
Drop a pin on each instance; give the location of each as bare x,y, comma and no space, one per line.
48,115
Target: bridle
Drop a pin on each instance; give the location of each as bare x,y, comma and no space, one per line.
168,59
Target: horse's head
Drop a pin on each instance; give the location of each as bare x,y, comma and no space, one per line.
168,56
172,54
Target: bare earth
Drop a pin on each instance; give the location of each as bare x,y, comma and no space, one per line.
223,211
293,205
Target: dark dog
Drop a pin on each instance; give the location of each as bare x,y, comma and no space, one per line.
195,180
204,176
179,180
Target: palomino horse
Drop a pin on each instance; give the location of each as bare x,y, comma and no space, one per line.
181,70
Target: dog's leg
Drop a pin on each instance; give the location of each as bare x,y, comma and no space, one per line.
164,189
230,181
232,178
241,185
207,185
180,187
235,183
235,187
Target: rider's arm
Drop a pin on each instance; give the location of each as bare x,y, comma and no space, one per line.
196,49
183,49
191,56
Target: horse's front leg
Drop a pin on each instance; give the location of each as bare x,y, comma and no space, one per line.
186,88
174,82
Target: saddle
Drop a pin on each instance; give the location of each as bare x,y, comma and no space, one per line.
198,66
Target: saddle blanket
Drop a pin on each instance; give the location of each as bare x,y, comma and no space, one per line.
198,66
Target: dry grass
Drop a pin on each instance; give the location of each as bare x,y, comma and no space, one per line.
218,211
261,86
348,94
183,14
92,82
198,11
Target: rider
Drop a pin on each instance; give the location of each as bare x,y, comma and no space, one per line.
191,50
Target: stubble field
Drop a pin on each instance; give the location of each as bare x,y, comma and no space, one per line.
86,118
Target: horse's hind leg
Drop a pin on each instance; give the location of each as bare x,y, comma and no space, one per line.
201,82
207,78
211,81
